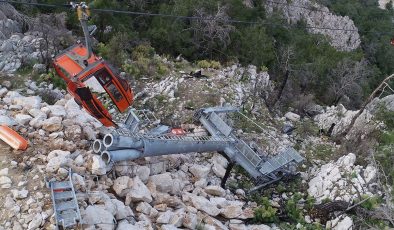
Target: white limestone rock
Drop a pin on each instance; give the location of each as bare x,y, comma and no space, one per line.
57,159
97,215
5,182
163,182
4,172
52,124
164,217
20,194
190,220
340,223
142,172
200,171
23,119
370,174
259,227
234,210
37,113
340,180
122,211
36,222
98,166
57,111
6,120
215,190
28,102
292,116
139,192
121,185
201,203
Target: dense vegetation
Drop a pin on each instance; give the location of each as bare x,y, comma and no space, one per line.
299,62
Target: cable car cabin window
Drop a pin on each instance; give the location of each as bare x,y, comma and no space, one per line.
114,92
103,76
124,84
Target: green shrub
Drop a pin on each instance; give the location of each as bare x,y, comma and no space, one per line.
162,69
143,51
292,210
215,65
204,64
372,203
131,69
265,212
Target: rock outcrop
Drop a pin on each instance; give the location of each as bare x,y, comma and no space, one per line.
318,18
343,180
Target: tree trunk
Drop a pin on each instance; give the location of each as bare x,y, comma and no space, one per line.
369,99
280,90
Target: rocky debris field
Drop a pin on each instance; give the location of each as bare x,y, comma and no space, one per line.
169,192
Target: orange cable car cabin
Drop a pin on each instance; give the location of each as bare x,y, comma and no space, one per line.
76,67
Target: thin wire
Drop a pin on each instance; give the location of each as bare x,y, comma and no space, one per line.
297,6
190,17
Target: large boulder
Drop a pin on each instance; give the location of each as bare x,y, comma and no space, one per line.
121,185
52,124
23,119
292,116
139,192
36,222
122,211
6,120
57,159
98,166
57,111
215,190
28,102
163,182
201,203
200,171
340,180
96,215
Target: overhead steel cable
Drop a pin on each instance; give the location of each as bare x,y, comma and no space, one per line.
297,6
191,17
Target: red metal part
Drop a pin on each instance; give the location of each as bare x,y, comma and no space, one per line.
177,131
69,67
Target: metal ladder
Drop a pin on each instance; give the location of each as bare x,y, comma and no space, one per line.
280,160
65,204
171,137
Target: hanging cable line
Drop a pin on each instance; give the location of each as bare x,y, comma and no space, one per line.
148,14
297,6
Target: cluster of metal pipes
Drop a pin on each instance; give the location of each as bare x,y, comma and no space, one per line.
118,148
115,148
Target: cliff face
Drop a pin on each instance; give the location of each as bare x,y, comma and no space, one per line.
383,3
11,21
318,18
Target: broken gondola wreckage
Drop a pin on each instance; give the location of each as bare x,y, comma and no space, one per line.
129,141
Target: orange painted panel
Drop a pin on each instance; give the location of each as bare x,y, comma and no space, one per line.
69,65
12,138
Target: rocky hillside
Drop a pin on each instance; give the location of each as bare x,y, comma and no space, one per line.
176,191
318,17
336,188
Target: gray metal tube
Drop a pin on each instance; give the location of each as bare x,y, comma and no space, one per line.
114,142
120,155
87,38
165,147
98,146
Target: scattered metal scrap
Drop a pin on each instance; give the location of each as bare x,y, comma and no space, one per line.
130,143
65,203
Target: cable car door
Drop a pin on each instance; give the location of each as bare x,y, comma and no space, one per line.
118,90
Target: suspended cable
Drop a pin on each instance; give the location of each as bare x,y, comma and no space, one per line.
189,17
297,6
